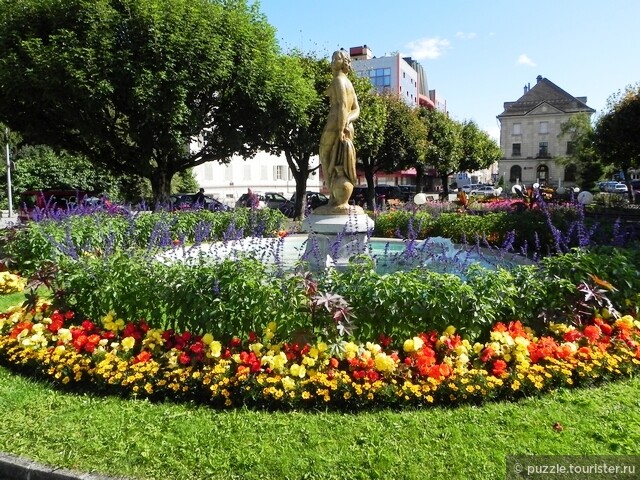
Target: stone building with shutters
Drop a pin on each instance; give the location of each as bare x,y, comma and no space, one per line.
530,137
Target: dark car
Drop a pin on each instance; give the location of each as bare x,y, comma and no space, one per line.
389,192
188,201
273,200
314,199
41,203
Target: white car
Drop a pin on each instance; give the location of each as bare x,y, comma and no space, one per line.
471,186
484,190
617,187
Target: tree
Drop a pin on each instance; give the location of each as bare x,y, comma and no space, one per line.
390,136
304,79
444,148
616,132
578,130
479,150
130,83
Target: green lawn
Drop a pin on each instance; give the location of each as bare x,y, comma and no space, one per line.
142,440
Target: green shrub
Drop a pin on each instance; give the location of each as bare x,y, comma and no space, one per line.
35,243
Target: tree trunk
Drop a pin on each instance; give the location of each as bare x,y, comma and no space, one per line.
300,169
445,187
371,188
161,187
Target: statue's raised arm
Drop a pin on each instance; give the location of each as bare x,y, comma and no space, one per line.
337,153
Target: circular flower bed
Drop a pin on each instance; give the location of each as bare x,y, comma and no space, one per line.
432,368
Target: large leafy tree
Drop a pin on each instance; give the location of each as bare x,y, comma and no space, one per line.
128,83
616,132
579,130
304,80
396,139
444,147
479,150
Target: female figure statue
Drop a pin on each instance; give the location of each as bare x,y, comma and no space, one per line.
337,153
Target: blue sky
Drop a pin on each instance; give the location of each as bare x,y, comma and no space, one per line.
479,54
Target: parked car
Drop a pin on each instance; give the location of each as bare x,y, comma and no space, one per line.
484,191
45,201
389,192
273,200
383,193
616,187
314,199
467,188
187,201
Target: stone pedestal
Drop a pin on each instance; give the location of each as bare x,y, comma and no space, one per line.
336,237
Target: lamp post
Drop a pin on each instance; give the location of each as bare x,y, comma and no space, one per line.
9,196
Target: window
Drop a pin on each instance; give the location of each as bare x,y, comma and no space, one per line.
515,150
544,127
515,174
570,173
246,173
228,172
279,172
264,173
517,129
570,148
208,171
543,149
380,78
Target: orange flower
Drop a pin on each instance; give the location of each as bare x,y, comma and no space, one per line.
592,332
499,368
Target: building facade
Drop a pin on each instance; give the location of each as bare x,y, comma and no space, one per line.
263,173
530,137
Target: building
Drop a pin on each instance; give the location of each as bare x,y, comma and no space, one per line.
529,135
263,173
403,76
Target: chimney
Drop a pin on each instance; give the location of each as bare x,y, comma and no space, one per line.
538,78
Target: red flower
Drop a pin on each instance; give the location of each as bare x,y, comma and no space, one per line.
184,358
69,315
592,332
384,340
142,357
572,335
234,342
487,354
499,368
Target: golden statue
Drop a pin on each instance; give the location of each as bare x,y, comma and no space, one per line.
337,153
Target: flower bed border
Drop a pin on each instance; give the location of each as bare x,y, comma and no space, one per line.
429,369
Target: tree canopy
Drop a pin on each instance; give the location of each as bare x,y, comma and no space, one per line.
130,83
616,132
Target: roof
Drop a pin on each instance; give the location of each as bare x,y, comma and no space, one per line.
545,91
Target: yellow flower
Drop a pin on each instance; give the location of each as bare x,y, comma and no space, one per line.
288,383
215,348
297,370
384,363
413,344
207,338
128,343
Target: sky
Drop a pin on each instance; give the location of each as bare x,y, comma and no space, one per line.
478,54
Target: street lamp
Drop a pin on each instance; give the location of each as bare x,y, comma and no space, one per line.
9,196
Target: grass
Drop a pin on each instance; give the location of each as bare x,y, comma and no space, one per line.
144,440
139,439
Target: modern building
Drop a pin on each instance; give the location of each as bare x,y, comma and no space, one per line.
393,73
530,135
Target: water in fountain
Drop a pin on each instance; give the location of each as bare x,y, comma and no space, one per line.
389,255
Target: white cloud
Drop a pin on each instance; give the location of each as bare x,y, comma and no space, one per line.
428,48
525,60
465,35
